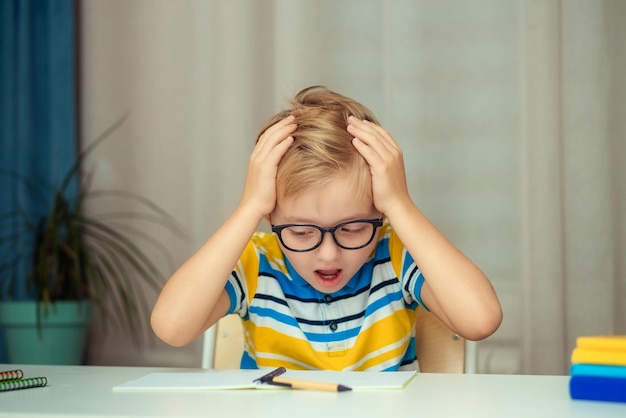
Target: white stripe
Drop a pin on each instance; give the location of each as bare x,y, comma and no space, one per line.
383,350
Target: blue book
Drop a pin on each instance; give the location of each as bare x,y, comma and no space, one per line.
591,388
598,370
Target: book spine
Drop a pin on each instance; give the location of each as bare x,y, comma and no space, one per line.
582,355
602,343
23,383
598,388
599,370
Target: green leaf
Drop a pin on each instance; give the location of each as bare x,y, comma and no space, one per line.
74,256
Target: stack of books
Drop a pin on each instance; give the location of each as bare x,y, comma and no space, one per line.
598,371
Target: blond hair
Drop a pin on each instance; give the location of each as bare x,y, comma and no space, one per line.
322,148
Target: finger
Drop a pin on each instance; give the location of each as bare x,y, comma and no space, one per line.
384,134
277,152
372,157
271,151
277,127
374,136
376,145
371,133
370,146
271,156
274,135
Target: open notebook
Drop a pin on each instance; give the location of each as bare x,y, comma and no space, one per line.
245,379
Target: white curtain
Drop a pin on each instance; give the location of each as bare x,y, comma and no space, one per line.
510,114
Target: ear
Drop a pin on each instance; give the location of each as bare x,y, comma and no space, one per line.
268,220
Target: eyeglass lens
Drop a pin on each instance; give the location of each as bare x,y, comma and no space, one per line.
351,235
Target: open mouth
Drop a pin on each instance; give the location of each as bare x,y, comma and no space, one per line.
328,277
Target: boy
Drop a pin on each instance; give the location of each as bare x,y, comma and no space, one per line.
350,259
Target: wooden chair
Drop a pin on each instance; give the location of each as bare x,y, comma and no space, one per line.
439,349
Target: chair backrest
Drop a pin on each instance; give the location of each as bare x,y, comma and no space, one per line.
439,350
228,346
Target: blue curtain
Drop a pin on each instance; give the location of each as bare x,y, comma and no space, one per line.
38,138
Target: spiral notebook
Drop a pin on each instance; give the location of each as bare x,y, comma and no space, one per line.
245,379
14,380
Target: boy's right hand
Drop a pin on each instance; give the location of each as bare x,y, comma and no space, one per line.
259,191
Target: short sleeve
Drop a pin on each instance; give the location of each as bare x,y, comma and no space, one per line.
244,279
237,284
406,270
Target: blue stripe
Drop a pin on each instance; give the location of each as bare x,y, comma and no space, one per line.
387,300
382,249
271,313
318,297
247,362
235,277
417,290
335,336
410,355
232,295
408,260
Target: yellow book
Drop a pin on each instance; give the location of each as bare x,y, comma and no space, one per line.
588,356
602,342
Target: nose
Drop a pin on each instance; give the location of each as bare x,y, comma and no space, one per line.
328,249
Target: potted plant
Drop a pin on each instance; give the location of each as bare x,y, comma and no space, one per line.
74,262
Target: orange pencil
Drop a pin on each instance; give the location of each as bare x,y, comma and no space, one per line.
306,384
273,378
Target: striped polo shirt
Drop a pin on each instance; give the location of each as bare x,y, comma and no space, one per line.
366,325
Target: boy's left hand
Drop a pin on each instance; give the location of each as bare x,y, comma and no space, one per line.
386,162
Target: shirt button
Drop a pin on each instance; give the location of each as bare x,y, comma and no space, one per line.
328,299
333,326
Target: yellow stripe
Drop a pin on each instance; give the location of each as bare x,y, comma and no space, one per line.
382,335
250,259
271,341
396,250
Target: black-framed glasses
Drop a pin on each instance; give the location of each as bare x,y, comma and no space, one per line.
350,235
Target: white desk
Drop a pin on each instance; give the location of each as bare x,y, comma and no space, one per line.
85,391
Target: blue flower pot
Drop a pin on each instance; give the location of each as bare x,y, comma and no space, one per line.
60,338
